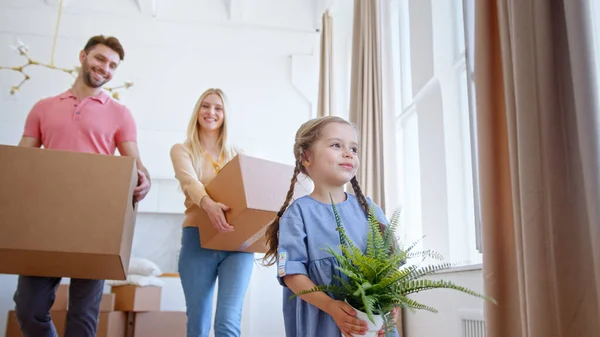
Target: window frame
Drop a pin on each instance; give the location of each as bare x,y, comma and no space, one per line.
468,27
462,60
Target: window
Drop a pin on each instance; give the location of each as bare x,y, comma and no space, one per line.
434,126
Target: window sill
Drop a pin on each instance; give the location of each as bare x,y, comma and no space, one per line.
461,269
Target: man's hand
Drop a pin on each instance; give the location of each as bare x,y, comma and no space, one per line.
142,188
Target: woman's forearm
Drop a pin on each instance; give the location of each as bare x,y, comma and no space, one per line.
299,282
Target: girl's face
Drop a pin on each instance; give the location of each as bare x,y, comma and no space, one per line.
211,114
333,159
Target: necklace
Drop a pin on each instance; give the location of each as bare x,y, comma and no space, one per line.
216,165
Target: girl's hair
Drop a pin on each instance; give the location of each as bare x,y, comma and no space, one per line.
192,141
308,133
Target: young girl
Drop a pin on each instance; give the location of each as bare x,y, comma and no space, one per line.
326,151
196,162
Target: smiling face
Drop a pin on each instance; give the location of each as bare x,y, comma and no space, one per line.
98,65
332,160
212,113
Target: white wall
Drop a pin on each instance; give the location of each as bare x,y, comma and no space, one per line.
450,305
263,53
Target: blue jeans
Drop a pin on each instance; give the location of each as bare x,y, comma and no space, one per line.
35,296
199,269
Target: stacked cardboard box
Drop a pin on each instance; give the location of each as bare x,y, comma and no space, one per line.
144,317
128,311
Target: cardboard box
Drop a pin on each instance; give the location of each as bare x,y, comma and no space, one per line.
112,324
59,318
66,214
61,299
108,303
255,190
133,298
160,324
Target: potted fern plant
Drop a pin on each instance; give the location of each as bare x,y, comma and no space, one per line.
379,279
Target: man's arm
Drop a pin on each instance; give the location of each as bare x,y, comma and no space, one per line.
30,142
130,149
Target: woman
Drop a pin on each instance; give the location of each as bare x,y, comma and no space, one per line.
196,162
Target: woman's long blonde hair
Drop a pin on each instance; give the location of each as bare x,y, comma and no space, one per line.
192,141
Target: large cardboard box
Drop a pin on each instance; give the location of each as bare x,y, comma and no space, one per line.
112,324
134,298
255,190
61,298
66,214
159,324
107,304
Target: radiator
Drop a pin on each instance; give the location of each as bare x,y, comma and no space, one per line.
472,323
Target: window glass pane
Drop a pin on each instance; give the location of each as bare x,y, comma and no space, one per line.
407,94
408,143
396,58
469,34
459,29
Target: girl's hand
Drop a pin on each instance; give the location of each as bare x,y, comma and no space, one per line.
215,211
395,312
343,315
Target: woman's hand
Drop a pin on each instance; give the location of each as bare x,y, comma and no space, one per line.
216,214
343,315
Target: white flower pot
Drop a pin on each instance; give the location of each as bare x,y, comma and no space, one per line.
372,329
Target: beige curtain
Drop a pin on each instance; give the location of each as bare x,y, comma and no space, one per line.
538,147
366,97
325,105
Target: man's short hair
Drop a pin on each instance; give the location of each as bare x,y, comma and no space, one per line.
109,41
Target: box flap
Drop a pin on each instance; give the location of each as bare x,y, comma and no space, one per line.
256,173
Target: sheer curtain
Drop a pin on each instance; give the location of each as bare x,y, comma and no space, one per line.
539,160
595,15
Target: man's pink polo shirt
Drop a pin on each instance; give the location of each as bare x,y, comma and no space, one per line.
94,125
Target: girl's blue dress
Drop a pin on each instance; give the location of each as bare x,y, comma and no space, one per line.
307,227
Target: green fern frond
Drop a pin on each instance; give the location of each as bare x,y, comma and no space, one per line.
413,245
408,303
427,270
343,260
354,276
327,288
379,279
416,286
368,303
368,266
389,236
394,278
425,254
375,243
344,239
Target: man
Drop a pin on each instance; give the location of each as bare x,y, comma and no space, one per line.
82,119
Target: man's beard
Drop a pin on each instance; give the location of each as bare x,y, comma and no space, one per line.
89,81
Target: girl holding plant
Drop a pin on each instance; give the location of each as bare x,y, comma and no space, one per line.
325,150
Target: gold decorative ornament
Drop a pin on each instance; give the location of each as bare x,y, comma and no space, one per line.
23,51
